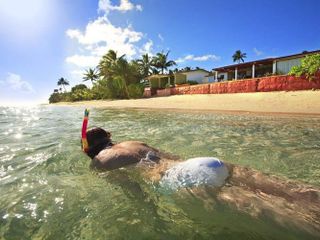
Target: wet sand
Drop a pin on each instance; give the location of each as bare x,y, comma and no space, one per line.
299,102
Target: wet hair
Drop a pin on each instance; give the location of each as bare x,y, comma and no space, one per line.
98,139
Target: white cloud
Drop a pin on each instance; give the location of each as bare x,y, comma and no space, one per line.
139,7
100,36
102,31
257,52
147,48
83,60
125,5
160,37
15,82
203,58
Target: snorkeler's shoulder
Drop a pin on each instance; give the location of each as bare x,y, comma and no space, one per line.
135,146
113,158
132,143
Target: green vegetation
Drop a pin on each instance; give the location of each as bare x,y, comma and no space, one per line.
91,75
310,65
114,78
146,65
63,82
238,56
192,82
161,61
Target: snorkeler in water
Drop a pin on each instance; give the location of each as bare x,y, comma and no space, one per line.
246,189
106,155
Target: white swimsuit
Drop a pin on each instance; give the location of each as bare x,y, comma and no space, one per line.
195,172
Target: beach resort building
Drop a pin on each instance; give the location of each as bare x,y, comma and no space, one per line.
197,75
182,77
259,68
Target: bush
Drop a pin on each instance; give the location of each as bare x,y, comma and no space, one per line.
136,90
310,65
192,82
60,97
55,97
78,87
81,95
100,90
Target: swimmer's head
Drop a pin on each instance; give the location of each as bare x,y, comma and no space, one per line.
97,139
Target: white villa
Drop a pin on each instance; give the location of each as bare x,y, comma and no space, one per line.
181,77
259,68
246,70
197,75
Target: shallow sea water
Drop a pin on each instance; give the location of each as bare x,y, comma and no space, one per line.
48,190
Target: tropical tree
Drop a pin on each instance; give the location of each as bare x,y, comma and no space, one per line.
161,61
175,70
107,62
146,65
91,74
186,69
238,56
155,71
119,73
63,82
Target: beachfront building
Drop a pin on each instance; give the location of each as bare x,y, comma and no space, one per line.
210,78
160,80
178,78
197,75
259,68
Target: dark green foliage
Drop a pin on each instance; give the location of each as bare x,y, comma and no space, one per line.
63,82
55,97
118,78
192,82
238,56
91,75
78,87
81,94
60,97
160,61
102,90
136,90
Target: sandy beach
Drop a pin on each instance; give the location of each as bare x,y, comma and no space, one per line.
299,102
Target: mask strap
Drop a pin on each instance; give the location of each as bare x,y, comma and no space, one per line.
85,145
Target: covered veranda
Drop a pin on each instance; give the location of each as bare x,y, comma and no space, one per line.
164,80
246,70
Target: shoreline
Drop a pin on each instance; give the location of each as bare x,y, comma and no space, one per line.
277,103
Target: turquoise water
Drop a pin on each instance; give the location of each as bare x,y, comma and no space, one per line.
49,192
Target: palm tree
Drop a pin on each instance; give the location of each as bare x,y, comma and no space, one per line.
161,61
118,72
90,74
63,82
145,65
107,61
238,56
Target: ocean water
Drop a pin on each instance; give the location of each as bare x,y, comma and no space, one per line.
48,190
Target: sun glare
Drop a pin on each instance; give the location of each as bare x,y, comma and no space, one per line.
25,18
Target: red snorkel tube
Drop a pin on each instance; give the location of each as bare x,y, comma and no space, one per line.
85,146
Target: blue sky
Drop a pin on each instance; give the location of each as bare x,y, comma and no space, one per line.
43,40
